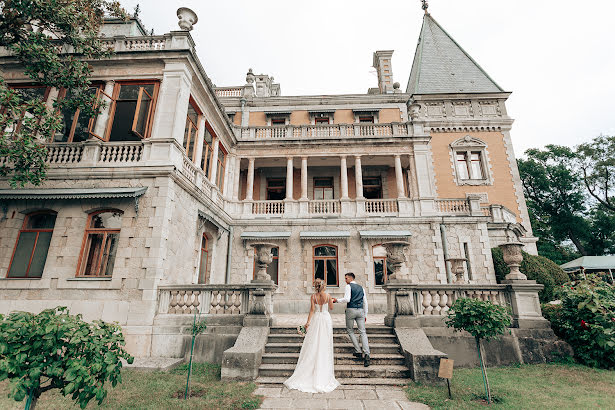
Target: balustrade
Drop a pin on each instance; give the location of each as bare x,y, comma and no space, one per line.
117,153
321,131
189,169
268,207
64,153
229,92
453,206
323,207
381,206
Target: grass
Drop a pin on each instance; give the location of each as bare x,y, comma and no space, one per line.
156,390
541,386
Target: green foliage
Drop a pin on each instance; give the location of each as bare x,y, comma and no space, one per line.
38,33
597,165
56,350
482,319
586,320
538,268
198,327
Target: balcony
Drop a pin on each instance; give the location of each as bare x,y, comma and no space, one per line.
326,131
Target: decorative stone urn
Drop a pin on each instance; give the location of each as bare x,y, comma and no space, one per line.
396,257
457,268
187,18
511,252
250,77
263,258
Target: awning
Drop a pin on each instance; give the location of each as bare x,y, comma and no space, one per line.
590,262
366,110
74,193
324,235
280,113
214,220
325,111
384,234
265,235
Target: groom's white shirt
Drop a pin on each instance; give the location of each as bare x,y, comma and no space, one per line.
346,297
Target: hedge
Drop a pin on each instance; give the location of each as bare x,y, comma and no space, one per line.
538,268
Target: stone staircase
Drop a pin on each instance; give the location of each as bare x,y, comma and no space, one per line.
387,363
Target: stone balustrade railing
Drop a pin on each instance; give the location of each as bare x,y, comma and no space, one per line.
324,206
268,207
453,206
277,132
229,92
114,153
63,153
219,299
381,206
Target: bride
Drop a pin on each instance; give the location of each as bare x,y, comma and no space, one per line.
314,371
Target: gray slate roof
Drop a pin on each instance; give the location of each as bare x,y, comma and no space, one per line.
441,66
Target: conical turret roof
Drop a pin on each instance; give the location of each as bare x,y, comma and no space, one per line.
441,66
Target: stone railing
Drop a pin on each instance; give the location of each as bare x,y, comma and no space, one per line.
189,170
453,206
113,153
381,206
322,131
64,153
229,92
212,299
324,206
268,207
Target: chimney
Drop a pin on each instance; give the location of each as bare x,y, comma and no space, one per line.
382,64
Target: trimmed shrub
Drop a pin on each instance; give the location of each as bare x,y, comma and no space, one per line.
585,319
538,268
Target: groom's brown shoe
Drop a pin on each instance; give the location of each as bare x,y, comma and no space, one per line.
358,354
367,361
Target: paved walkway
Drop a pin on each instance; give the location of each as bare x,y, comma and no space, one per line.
338,319
344,397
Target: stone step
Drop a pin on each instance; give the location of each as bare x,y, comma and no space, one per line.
345,381
342,371
371,330
337,338
375,348
341,358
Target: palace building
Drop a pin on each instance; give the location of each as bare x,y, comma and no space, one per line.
160,206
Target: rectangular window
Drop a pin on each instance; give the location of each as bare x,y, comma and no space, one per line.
323,188
27,93
325,264
367,119
221,167
381,269
192,128
476,166
462,165
276,189
278,121
75,127
321,120
100,244
208,143
372,187
204,260
131,113
30,253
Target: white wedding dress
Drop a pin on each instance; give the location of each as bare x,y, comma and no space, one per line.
314,371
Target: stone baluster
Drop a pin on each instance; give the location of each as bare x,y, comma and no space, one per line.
434,302
442,301
426,302
174,301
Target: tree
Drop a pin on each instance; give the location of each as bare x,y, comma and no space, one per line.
597,165
483,320
36,32
555,194
56,350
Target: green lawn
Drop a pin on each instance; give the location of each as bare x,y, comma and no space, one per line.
155,390
542,386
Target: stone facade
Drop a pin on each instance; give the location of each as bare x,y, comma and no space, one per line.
346,171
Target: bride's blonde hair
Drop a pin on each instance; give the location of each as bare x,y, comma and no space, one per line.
319,285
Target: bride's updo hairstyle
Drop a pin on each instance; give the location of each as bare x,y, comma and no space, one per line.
319,285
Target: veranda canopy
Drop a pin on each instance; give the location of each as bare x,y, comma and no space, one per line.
590,262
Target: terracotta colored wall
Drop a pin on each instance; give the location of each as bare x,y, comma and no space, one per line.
257,118
257,186
243,186
389,115
343,117
237,118
391,183
352,187
501,192
299,118
296,183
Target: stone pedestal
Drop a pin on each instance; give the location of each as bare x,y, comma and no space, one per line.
525,304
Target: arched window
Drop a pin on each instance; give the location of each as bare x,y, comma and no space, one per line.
32,245
381,270
100,243
203,276
325,264
272,269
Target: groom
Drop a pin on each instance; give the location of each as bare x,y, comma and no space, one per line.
356,310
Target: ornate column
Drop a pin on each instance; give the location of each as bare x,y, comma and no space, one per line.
250,184
344,176
358,176
304,179
399,176
289,178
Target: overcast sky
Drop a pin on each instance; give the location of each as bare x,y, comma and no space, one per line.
556,56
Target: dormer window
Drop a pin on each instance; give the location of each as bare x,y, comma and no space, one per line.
321,117
366,116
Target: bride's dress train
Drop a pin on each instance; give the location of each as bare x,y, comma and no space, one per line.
314,372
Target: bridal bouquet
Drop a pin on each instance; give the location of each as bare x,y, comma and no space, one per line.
301,330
